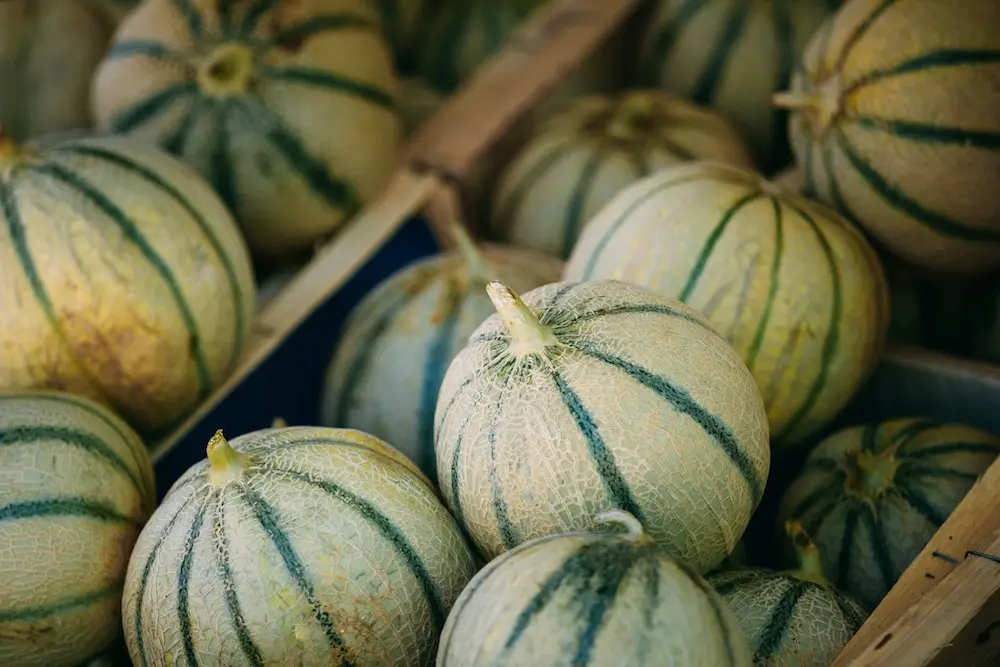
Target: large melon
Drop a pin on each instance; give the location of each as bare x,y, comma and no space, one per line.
795,289
583,156
732,55
872,496
589,599
288,109
394,350
793,618
76,487
587,397
295,546
897,124
122,278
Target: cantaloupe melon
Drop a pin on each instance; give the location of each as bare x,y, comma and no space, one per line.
731,55
590,599
793,618
76,486
897,124
585,397
122,278
795,289
287,109
872,496
295,546
394,349
582,157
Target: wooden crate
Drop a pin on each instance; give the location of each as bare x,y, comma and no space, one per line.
944,610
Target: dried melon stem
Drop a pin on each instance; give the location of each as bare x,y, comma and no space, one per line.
279,422
226,71
822,105
630,117
870,474
810,565
528,335
634,531
476,264
225,463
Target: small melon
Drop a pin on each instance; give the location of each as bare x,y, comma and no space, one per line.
590,599
795,289
295,546
599,144
591,396
872,496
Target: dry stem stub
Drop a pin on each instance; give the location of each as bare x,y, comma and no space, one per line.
225,463
634,531
810,565
476,264
822,106
528,335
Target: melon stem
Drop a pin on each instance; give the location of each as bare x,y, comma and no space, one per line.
821,106
810,565
279,422
528,335
870,474
225,463
622,124
476,264
634,531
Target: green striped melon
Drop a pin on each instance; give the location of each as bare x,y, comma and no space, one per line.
793,618
76,487
894,125
732,55
393,352
592,396
124,278
795,289
872,496
295,546
590,599
287,109
582,157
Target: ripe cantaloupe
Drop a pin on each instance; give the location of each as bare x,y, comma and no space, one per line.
122,278
76,487
897,124
295,546
795,289
590,599
591,396
394,349
599,144
287,109
872,496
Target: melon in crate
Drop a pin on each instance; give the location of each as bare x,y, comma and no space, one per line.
793,618
590,599
872,496
584,397
295,546
122,278
795,289
732,55
76,487
897,123
581,158
394,350
287,109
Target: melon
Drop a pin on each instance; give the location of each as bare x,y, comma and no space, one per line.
793,287
287,109
295,546
393,352
122,278
732,55
584,397
793,618
589,599
872,496
601,143
895,124
76,487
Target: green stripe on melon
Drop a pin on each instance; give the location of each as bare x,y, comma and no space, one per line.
76,487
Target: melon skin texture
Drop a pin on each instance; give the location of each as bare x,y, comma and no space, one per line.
598,145
795,289
614,397
894,126
589,599
731,55
392,355
290,113
295,545
122,275
76,486
872,496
